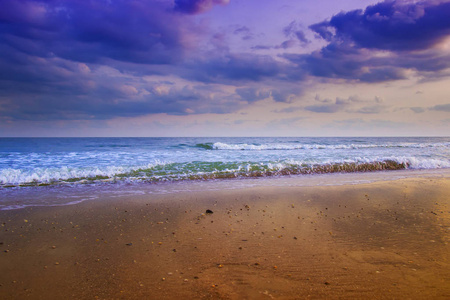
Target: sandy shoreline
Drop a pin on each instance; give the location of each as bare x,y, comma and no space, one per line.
386,239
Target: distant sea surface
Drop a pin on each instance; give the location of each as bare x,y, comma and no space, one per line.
43,162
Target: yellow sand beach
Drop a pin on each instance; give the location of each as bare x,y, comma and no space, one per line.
380,240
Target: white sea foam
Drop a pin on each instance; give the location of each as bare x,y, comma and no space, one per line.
166,172
50,175
279,146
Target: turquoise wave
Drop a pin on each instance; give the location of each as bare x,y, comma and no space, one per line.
188,171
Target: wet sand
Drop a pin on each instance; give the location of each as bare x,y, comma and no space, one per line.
381,240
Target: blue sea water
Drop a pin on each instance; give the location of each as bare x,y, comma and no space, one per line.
63,171
62,161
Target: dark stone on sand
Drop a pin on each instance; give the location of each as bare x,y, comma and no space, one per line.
208,211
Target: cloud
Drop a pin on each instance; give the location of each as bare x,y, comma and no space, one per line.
293,31
352,104
105,93
283,92
235,67
197,6
441,107
381,43
90,31
91,60
286,44
374,109
244,32
54,55
361,124
417,110
390,25
330,106
240,122
251,94
289,109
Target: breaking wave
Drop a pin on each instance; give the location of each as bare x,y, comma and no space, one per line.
201,170
293,146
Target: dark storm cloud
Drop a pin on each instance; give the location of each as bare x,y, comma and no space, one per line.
391,25
408,31
197,6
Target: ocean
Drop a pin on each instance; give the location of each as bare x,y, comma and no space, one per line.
32,166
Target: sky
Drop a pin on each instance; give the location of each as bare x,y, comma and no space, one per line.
224,68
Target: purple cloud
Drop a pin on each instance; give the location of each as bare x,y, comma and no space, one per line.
441,107
293,31
197,6
53,54
245,32
374,109
346,105
116,97
417,110
294,35
90,59
290,109
90,31
338,105
390,25
401,28
252,94
235,67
